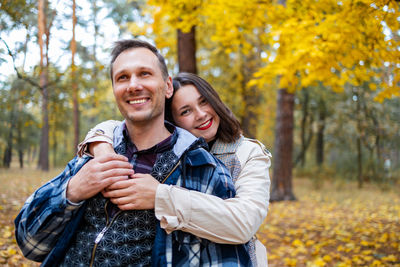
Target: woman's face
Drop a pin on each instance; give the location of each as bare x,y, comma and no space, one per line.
192,112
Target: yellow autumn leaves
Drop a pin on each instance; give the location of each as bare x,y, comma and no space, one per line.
334,227
304,43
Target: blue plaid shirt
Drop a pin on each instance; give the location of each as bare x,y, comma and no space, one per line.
47,222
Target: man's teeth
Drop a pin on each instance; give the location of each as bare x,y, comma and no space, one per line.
138,101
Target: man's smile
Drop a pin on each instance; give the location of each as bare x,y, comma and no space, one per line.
138,101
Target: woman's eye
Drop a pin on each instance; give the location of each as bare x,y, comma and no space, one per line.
203,101
185,112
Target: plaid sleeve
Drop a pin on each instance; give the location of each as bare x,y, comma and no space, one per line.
208,175
222,182
45,214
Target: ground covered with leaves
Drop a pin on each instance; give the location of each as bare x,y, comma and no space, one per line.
334,225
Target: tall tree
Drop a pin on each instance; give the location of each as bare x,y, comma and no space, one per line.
321,132
45,21
281,185
7,158
75,92
43,80
305,126
95,10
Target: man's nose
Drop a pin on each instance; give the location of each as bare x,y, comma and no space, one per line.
134,84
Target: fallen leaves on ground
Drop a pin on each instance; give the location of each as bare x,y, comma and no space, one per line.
333,226
330,226
15,186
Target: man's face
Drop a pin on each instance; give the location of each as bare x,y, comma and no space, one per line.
139,87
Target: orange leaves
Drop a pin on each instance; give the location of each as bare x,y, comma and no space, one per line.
350,227
16,185
9,252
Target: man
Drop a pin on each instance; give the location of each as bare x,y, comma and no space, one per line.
86,216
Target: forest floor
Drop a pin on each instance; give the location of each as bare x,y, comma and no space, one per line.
336,224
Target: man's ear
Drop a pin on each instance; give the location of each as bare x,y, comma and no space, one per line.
170,89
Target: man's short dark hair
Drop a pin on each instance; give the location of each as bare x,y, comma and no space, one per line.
122,45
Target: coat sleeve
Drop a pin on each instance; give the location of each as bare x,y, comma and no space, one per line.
230,221
45,214
102,132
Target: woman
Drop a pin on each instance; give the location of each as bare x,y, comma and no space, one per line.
196,107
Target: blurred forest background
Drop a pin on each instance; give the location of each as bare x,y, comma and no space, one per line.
316,81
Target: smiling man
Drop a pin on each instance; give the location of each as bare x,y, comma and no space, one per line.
86,216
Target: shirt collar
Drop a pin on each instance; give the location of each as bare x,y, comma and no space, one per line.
158,148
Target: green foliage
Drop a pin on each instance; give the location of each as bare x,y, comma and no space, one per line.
17,121
14,13
351,115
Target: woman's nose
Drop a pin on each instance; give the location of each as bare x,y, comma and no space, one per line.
200,113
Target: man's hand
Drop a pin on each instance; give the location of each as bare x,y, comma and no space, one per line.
137,193
96,175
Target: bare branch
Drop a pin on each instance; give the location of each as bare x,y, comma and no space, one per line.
24,77
19,75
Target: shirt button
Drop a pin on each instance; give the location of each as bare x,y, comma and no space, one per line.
99,131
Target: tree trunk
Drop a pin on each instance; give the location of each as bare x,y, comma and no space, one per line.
21,158
8,152
75,93
359,163
187,51
19,140
9,148
95,11
44,140
250,117
7,156
53,136
307,119
359,137
320,133
283,148
251,96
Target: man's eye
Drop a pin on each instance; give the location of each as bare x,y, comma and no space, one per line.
122,77
145,73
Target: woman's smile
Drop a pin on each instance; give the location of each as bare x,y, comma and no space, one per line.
204,126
